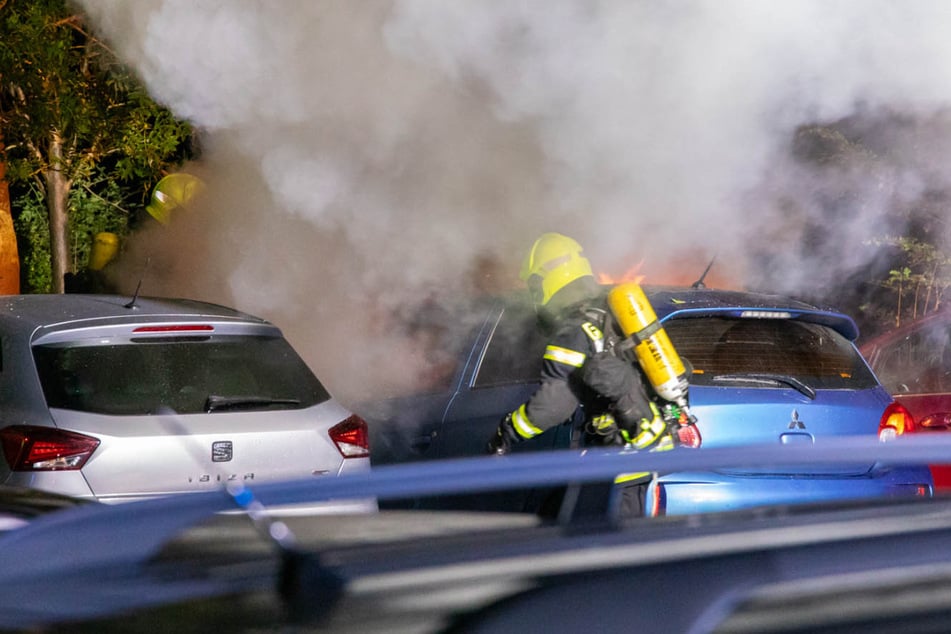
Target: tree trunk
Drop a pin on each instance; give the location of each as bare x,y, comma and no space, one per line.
57,197
898,312
9,254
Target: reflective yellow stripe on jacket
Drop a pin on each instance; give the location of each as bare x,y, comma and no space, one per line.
523,426
563,355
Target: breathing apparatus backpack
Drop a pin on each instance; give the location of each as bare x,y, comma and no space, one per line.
642,340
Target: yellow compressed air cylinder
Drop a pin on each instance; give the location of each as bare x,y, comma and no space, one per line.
105,245
654,351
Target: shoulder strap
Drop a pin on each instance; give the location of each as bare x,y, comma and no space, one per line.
604,320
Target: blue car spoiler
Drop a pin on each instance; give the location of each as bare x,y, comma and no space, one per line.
842,324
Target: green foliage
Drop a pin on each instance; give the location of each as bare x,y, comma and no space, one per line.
33,236
150,140
921,279
67,104
93,210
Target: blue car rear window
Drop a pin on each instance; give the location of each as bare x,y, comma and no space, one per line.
731,347
185,375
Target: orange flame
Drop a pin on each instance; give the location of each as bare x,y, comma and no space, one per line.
632,274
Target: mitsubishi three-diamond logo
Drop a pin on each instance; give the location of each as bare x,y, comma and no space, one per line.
795,423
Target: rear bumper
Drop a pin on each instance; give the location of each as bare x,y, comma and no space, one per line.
330,507
688,493
70,483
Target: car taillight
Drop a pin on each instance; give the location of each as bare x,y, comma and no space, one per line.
351,437
28,448
175,328
659,501
689,436
896,421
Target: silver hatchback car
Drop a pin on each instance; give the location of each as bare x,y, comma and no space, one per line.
118,398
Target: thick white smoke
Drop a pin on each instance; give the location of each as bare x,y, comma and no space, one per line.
358,154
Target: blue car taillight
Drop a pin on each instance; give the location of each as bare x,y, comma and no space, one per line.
896,421
28,448
659,501
689,436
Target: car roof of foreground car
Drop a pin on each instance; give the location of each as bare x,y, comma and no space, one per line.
385,577
26,313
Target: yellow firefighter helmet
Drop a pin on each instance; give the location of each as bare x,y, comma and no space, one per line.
172,192
554,261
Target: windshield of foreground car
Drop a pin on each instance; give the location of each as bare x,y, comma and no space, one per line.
786,351
181,375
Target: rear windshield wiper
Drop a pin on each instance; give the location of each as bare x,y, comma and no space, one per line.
216,403
768,379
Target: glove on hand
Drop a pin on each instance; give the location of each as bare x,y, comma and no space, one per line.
605,429
501,443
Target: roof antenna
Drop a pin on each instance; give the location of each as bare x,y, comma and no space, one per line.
138,286
699,283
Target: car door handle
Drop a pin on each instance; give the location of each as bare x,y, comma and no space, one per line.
422,443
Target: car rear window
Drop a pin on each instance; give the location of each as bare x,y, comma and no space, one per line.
181,374
811,353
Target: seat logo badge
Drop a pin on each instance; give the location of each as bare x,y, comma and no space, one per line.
222,451
795,423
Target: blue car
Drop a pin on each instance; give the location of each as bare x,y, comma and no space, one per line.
762,369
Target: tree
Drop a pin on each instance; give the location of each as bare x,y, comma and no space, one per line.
69,109
922,272
897,278
9,254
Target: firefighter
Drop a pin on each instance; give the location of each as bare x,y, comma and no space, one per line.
580,368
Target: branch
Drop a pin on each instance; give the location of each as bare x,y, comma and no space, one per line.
108,202
73,21
36,152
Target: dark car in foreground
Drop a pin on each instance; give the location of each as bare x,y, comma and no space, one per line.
119,398
764,369
178,564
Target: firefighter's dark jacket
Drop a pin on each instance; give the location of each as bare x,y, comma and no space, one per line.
578,367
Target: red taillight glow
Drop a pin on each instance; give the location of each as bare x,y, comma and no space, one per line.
176,328
896,421
28,448
689,436
659,502
351,437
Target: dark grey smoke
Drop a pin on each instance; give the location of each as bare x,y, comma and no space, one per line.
360,155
